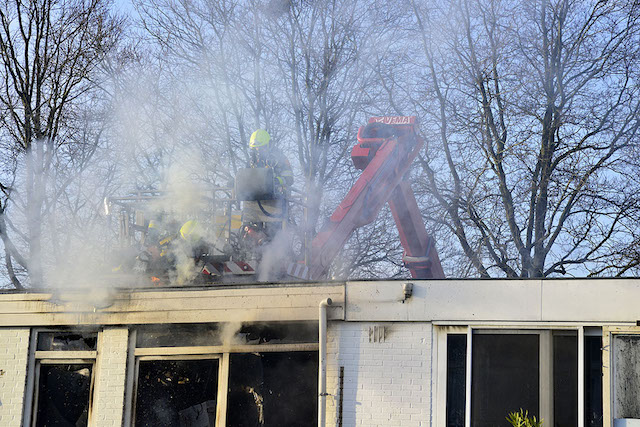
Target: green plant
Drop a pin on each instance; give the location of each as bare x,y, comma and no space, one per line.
522,419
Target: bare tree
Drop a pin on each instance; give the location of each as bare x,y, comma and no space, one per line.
535,107
49,53
317,48
216,53
291,67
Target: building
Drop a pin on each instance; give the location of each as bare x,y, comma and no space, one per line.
422,353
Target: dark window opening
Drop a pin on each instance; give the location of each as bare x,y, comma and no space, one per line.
279,333
176,393
63,395
565,380
505,377
177,335
456,379
273,390
593,381
67,341
212,334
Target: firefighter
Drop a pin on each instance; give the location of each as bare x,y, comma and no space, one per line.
156,257
263,219
263,155
193,241
162,245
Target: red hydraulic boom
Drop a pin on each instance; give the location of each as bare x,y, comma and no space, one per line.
386,148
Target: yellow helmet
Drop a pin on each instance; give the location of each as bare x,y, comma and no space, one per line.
259,138
191,231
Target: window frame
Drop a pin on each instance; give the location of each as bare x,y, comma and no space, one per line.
37,358
223,372
221,352
546,331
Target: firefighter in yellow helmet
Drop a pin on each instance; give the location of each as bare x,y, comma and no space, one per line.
164,241
264,155
263,219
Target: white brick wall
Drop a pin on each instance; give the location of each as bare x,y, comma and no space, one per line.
111,369
14,352
385,383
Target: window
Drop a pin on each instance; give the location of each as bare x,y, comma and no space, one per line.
593,381
63,394
215,334
273,389
456,377
176,392
67,341
224,374
505,377
621,375
508,369
63,380
565,378
626,376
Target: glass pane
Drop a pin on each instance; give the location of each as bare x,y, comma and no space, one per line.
69,341
63,395
505,377
176,393
626,372
565,380
593,381
456,379
172,335
273,389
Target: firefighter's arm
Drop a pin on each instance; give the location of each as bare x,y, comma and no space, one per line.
284,180
285,177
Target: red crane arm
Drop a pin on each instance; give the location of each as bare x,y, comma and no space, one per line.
386,149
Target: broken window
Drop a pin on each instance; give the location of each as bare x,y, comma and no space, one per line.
67,341
178,335
63,394
211,334
274,385
63,377
176,393
273,389
278,333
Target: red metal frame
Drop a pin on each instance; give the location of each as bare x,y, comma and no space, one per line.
383,161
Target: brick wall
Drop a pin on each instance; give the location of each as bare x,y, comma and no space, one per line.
386,373
111,369
14,352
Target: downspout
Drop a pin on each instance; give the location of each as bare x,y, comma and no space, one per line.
322,372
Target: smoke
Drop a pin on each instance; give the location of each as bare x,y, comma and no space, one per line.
275,256
229,334
174,119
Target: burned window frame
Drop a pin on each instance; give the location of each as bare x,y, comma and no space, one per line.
196,352
444,330
221,386
38,358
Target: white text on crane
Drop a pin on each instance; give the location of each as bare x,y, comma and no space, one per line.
393,120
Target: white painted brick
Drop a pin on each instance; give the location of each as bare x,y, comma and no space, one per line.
14,350
111,368
385,383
